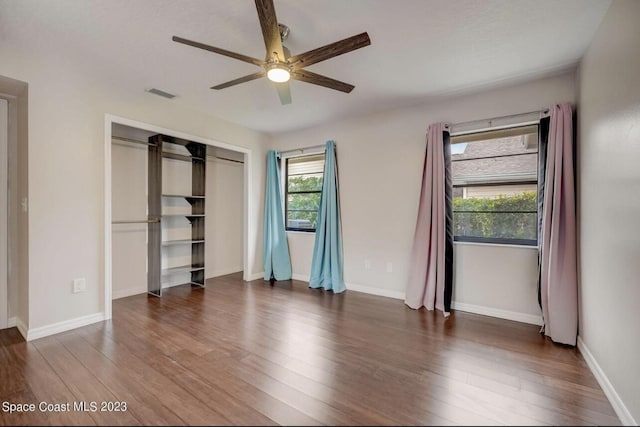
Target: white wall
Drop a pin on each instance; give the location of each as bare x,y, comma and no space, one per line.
224,207
609,203
380,158
67,107
500,278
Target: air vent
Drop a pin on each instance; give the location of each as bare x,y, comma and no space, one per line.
161,93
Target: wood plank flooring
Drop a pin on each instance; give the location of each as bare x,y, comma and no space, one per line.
255,354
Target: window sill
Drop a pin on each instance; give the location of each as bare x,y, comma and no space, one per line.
311,233
502,245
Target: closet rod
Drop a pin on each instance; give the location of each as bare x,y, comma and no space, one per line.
302,149
224,158
144,221
121,138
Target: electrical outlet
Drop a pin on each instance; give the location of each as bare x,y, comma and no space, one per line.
24,204
389,267
79,285
367,264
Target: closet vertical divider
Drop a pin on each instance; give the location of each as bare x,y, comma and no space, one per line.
154,214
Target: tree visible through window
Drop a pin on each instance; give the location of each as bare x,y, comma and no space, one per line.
303,190
495,186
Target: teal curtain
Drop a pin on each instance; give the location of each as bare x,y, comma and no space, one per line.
327,264
277,263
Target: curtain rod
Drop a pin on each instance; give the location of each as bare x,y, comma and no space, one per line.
302,149
541,112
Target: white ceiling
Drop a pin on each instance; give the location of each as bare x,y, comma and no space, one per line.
419,48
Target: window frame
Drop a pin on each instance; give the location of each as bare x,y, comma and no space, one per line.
286,191
497,240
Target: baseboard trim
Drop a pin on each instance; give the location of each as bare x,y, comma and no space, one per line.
614,398
496,312
469,308
22,328
123,293
375,291
256,276
56,328
11,322
360,288
300,277
225,272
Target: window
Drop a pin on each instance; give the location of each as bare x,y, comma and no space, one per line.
495,186
303,189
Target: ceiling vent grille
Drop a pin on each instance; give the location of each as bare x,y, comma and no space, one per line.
161,93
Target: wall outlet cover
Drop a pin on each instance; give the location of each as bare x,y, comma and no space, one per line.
79,285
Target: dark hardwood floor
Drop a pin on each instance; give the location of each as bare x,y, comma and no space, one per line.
253,354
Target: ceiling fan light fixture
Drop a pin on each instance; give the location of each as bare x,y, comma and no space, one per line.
279,66
278,73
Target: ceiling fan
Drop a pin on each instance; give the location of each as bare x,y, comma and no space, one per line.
279,65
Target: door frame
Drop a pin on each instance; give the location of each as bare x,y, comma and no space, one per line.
4,213
248,205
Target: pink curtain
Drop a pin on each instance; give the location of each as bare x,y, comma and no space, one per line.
427,283
558,275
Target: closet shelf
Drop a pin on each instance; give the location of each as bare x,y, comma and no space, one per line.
183,157
183,196
182,269
181,242
188,283
159,201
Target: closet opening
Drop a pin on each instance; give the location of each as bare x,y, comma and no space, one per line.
176,211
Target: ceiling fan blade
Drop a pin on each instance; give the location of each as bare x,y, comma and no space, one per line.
329,51
240,80
270,30
284,92
224,52
317,79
